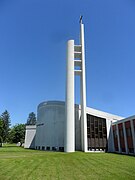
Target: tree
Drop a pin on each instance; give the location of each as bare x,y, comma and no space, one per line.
5,117
17,133
0,141
1,132
1,128
31,119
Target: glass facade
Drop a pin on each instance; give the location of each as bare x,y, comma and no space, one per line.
96,133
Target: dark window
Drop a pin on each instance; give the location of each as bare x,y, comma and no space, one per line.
92,135
61,149
88,136
54,148
88,124
100,135
123,149
48,148
92,127
104,130
43,147
96,130
100,127
96,123
38,147
131,150
104,123
92,119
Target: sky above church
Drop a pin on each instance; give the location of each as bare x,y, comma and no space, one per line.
33,37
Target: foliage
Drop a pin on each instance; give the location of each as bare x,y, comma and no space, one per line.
1,128
5,124
31,119
0,141
17,133
1,131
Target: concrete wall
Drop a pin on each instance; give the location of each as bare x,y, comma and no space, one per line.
30,137
50,126
50,123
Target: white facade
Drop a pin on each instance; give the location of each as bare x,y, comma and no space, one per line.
51,122
50,125
30,136
69,128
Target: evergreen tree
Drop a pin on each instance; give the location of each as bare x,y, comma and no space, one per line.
5,117
1,132
17,134
31,119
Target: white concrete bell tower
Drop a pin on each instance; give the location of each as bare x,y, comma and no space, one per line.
75,58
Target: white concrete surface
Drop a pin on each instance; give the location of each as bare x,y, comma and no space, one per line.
69,137
50,125
30,136
49,131
83,92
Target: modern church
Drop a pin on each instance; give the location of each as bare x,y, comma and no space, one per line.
66,126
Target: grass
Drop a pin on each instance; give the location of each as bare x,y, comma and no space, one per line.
23,164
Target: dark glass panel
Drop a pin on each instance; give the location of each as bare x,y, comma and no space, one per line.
97,133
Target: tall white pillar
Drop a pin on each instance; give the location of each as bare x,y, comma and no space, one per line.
75,58
69,139
83,92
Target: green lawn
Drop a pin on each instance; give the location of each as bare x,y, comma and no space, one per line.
19,163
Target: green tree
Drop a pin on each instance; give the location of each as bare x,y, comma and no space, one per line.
0,141
5,117
31,119
1,132
17,133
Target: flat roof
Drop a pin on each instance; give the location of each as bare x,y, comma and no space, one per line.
124,120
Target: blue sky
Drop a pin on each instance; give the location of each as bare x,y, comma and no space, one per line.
33,36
